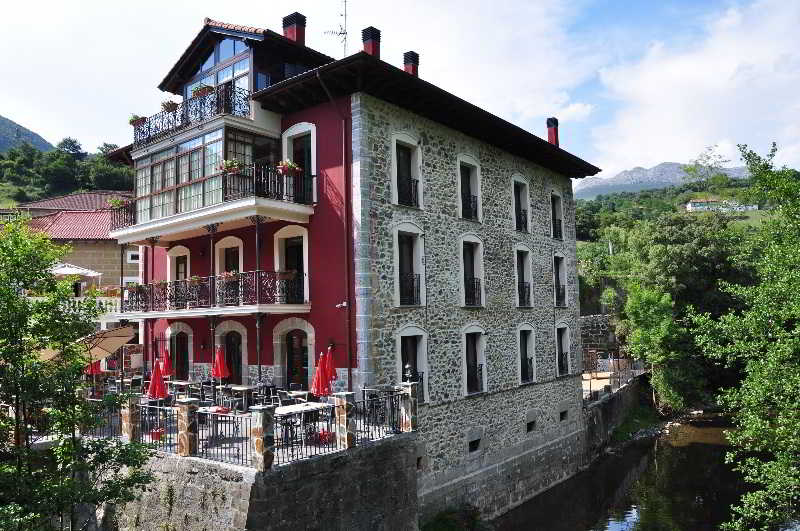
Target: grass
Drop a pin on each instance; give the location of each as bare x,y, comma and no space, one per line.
638,418
7,191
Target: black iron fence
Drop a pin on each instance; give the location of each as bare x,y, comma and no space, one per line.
521,219
557,229
472,292
224,437
159,427
524,293
469,206
407,192
475,378
108,421
223,99
527,370
227,289
409,289
305,434
377,415
561,295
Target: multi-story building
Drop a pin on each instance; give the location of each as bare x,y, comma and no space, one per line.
421,236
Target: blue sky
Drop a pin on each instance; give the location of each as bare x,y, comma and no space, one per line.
633,83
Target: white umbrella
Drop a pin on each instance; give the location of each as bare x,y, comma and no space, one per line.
63,270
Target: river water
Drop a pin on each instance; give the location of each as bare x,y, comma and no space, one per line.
677,482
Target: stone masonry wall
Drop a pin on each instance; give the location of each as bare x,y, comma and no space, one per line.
597,335
371,487
499,417
103,257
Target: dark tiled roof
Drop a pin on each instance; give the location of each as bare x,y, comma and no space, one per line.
75,225
95,200
233,27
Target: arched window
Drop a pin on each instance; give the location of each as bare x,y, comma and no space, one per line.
406,178
280,348
179,263
526,350
411,344
240,343
523,273
520,203
409,265
290,252
559,280
473,286
563,348
469,187
474,370
229,253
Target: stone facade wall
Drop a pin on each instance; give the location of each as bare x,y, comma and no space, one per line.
597,335
101,256
371,487
498,417
606,414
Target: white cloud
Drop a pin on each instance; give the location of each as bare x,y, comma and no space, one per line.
738,84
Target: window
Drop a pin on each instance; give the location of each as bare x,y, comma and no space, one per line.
474,362
412,358
133,257
300,146
562,416
208,63
181,267
557,216
559,281
527,360
178,263
474,445
406,185
530,426
409,281
562,350
472,269
469,188
523,275
216,68
290,251
226,49
521,204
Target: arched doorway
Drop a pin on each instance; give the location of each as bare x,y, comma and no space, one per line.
233,356
180,352
297,358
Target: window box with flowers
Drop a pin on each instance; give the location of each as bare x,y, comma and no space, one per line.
287,167
202,91
230,167
135,120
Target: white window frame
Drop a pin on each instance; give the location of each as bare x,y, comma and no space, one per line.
128,258
563,277
287,138
527,275
292,231
468,329
556,193
556,328
219,252
172,254
411,141
422,355
475,177
531,353
479,270
175,328
409,227
519,178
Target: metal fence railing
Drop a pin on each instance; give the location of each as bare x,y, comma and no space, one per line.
159,427
224,437
605,375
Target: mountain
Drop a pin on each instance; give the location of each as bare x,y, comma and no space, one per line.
12,135
637,179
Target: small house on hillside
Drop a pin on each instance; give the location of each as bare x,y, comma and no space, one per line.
717,205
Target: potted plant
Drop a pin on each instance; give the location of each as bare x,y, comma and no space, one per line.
286,167
231,167
202,90
169,106
156,433
116,202
194,280
227,275
135,120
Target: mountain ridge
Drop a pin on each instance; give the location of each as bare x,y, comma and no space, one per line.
638,178
13,135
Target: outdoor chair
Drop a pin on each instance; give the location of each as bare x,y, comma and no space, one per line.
285,399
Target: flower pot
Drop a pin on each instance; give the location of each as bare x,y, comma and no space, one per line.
156,434
137,123
199,93
169,106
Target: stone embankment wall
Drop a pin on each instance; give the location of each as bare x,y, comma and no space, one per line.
604,415
369,487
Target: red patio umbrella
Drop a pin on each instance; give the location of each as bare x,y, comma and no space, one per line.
330,369
219,370
157,389
93,369
320,384
166,365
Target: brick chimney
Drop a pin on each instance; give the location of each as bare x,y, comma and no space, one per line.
372,41
294,28
552,131
411,63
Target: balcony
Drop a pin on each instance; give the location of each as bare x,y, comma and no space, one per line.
105,305
521,219
221,293
407,192
472,292
252,181
524,294
558,233
561,296
224,99
469,207
475,379
409,289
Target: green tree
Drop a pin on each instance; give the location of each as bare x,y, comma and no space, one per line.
707,169
763,336
46,487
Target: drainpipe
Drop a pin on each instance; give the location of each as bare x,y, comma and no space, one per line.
345,235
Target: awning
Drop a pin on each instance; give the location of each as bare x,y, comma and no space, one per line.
63,270
100,345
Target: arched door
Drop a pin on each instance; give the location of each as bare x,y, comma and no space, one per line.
233,356
180,351
297,358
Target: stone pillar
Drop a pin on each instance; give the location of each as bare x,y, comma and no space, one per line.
408,406
131,418
187,426
262,437
345,427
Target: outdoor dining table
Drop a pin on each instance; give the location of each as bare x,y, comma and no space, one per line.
298,394
245,390
184,384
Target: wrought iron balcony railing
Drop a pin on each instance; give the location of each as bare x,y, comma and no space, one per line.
228,289
563,363
469,206
558,233
472,292
254,180
410,375
527,370
521,219
561,295
524,294
407,192
475,378
224,99
409,289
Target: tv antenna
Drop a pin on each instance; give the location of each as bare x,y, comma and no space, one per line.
341,33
